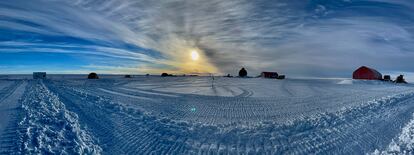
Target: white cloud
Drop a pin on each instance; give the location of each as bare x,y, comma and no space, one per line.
292,36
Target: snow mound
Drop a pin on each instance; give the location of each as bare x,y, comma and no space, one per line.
49,128
367,82
348,81
371,82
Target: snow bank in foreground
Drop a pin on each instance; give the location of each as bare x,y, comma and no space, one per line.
49,128
404,144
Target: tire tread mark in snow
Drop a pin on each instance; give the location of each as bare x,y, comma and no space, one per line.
245,93
9,136
6,92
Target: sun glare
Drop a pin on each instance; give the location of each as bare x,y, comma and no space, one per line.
194,55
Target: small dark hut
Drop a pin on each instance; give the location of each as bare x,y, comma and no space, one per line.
272,75
39,75
243,72
281,77
387,78
228,75
93,76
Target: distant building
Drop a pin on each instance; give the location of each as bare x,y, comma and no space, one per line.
272,75
366,73
39,75
166,74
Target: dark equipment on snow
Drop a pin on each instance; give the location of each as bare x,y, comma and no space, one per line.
243,72
93,76
400,79
281,77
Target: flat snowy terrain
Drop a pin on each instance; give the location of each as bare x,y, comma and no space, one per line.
187,115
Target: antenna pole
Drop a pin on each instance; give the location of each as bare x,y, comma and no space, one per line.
212,80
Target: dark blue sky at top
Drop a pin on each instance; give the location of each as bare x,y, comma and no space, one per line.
322,38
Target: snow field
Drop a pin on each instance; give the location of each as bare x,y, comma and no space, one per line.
316,132
308,99
236,116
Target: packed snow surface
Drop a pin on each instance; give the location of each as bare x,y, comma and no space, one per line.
68,114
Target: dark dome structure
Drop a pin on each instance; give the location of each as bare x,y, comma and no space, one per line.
243,72
165,74
93,76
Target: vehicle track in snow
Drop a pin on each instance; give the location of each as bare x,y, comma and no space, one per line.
401,144
9,114
42,125
8,90
120,132
228,110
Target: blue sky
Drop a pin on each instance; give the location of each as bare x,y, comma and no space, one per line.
318,38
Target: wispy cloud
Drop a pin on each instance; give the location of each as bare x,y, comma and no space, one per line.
296,37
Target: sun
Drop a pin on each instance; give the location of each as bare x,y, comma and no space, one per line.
194,55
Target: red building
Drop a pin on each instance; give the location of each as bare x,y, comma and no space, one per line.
269,75
366,73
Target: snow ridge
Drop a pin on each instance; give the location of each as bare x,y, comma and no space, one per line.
404,144
48,127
